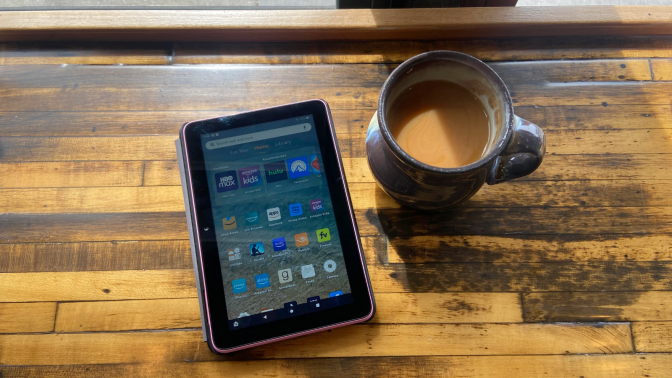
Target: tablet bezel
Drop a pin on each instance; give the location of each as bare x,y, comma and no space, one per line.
220,338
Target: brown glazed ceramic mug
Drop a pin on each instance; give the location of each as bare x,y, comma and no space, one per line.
516,147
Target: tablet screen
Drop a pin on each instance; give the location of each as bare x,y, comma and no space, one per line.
279,247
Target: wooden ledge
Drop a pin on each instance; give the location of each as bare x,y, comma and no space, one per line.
315,25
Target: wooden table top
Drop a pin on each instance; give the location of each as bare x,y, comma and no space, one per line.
565,273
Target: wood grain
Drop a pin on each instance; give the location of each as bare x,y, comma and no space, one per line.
661,69
62,53
131,88
652,336
527,221
391,308
594,366
360,340
521,277
498,49
342,24
71,174
562,248
598,117
91,256
27,317
603,307
86,286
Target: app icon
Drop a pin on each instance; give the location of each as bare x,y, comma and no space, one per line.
301,239
243,314
234,254
257,249
314,302
273,214
316,205
335,294
262,280
330,266
229,223
295,209
285,275
323,235
235,324
307,271
290,307
249,176
314,164
275,171
298,167
239,286
252,218
226,181
279,244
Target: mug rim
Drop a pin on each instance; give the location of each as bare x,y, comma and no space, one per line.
469,60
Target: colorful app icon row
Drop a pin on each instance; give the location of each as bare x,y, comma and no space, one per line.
274,172
284,276
273,214
280,244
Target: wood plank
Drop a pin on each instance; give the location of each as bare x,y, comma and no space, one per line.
574,94
89,256
341,24
662,69
128,315
61,53
565,248
448,308
364,196
128,88
514,221
27,317
568,142
67,124
92,200
525,277
359,340
652,336
391,308
71,174
529,194
81,148
50,228
574,71
594,366
500,49
346,121
90,286
598,117
602,307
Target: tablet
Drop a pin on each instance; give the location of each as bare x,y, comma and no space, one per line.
274,232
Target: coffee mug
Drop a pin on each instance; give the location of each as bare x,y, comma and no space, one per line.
515,149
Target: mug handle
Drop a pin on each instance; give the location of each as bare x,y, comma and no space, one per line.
522,156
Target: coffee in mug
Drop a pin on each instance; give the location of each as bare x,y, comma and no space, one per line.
440,123
444,127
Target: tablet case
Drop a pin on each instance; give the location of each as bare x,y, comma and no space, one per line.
187,206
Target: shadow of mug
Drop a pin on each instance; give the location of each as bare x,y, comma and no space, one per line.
516,147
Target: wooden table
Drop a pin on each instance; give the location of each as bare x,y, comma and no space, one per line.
565,273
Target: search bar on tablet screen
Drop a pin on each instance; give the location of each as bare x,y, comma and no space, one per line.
255,137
